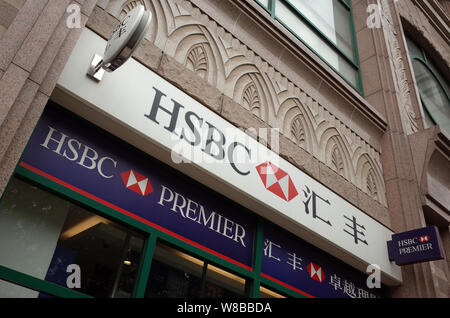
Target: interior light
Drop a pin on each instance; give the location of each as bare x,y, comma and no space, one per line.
82,226
128,263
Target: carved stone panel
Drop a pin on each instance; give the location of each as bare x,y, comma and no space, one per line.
183,32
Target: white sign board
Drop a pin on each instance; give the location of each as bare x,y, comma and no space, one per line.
150,106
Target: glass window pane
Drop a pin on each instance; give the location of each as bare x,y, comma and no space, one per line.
264,3
440,78
221,284
428,121
50,233
413,49
332,18
267,293
174,274
306,33
433,96
315,42
348,71
10,290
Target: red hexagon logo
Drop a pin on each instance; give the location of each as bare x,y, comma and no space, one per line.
277,181
316,272
136,182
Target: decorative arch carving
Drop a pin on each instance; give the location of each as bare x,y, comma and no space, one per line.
130,5
371,185
335,153
298,124
194,46
185,33
298,132
337,163
197,60
245,85
370,178
251,99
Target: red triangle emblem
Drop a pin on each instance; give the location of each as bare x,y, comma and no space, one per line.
276,189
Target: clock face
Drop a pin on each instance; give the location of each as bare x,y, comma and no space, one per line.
127,35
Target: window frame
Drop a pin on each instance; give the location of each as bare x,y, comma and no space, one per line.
424,61
355,63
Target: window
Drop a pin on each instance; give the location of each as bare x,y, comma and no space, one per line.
42,234
9,290
177,274
268,293
433,88
326,27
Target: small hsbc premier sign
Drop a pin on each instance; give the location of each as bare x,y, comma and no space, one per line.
416,246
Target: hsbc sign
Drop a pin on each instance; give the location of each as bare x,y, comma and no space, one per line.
416,246
81,157
303,267
138,100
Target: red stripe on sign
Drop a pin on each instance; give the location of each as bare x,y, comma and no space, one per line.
136,217
287,285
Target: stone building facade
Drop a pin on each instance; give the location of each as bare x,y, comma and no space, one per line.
374,149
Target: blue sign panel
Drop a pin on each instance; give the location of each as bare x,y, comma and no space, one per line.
76,154
306,269
416,246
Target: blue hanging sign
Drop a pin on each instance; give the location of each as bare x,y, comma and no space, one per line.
416,246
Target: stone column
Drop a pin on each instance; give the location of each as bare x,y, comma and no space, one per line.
33,51
385,73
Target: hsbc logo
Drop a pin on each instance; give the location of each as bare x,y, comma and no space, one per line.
277,181
424,238
316,272
136,182
74,150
